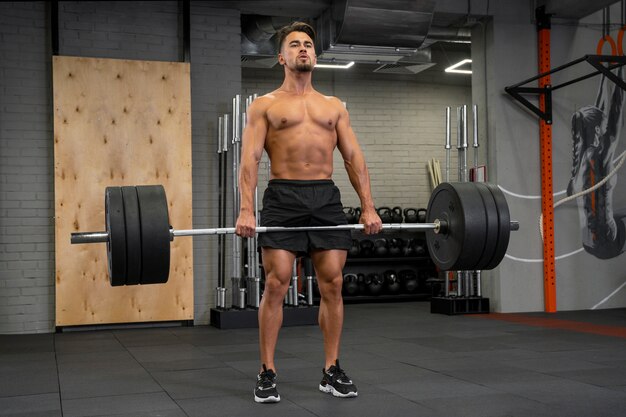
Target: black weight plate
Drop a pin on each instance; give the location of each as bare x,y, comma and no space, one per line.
133,236
155,234
460,204
504,228
492,231
116,227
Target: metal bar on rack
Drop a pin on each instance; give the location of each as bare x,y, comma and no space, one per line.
219,293
464,143
237,241
460,152
224,196
475,130
255,248
477,274
447,146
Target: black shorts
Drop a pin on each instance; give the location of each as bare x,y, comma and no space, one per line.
303,203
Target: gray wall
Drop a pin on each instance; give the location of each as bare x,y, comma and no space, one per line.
509,50
124,30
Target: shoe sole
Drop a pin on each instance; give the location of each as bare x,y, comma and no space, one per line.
267,400
329,389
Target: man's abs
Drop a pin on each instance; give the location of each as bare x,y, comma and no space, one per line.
294,155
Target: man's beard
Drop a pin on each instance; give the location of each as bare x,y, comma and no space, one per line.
304,66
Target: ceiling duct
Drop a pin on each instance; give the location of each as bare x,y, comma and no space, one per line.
375,31
364,31
396,23
257,33
401,68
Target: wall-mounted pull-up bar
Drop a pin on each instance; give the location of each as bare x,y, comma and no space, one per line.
596,61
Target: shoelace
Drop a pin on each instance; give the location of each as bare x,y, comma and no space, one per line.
266,378
338,374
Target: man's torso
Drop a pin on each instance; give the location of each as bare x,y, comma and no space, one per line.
301,134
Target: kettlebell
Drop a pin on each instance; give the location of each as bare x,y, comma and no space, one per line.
408,281
355,249
349,212
410,215
385,214
395,246
374,283
367,247
418,248
421,215
380,246
360,280
407,250
350,284
392,282
396,214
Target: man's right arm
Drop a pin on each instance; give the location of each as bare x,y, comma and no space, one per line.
253,142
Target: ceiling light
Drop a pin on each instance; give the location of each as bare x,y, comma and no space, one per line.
335,66
453,68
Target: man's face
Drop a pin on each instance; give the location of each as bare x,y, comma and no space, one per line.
298,52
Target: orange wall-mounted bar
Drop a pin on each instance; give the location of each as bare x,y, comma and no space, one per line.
547,200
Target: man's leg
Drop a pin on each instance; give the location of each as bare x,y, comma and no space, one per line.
278,266
329,270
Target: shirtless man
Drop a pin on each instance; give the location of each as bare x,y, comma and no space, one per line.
299,129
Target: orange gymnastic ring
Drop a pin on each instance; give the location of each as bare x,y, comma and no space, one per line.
620,41
611,42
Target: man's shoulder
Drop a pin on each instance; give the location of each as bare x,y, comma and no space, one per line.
261,103
330,99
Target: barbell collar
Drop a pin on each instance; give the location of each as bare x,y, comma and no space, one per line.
514,225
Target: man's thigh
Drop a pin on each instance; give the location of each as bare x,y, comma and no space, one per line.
278,264
329,263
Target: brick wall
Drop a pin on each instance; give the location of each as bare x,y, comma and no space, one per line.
124,30
26,180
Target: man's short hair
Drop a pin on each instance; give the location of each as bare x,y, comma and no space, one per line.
295,27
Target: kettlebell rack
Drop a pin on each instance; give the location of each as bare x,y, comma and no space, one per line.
387,267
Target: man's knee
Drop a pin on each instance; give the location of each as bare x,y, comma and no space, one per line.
331,288
276,287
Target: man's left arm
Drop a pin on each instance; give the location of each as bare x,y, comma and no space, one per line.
354,161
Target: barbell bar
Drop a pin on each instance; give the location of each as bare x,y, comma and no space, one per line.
468,228
103,237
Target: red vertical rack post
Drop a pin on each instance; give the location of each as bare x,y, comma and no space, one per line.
545,136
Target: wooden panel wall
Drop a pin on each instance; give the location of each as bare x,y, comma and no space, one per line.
119,122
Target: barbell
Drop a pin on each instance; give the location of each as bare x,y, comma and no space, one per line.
467,228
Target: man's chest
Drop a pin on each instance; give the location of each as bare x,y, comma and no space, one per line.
287,113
